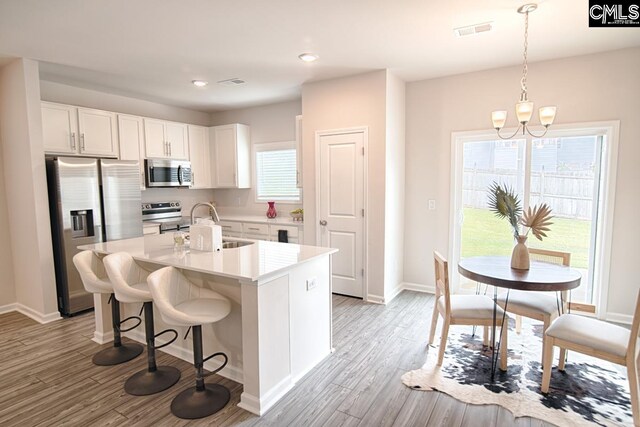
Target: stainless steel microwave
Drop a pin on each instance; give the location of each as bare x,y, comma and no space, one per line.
167,173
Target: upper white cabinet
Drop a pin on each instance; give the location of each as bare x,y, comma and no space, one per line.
200,156
73,130
231,156
131,136
166,139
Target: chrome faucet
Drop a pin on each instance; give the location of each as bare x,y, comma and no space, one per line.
212,208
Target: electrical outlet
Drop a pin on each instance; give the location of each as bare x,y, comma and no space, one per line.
312,283
432,205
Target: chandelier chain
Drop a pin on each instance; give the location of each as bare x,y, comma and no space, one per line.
523,81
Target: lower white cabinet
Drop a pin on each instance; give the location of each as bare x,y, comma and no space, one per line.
260,231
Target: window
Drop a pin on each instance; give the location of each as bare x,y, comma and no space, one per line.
572,169
276,172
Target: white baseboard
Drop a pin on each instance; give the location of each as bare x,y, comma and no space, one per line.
102,338
619,318
257,406
231,372
31,313
8,308
394,293
418,287
376,299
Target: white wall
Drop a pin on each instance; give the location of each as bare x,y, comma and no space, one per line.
26,188
7,287
269,123
65,94
344,103
394,186
597,87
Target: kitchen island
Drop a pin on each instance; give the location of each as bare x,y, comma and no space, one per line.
279,327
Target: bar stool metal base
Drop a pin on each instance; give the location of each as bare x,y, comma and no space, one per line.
193,403
147,382
116,355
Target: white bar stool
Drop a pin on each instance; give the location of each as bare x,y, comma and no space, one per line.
95,281
182,303
130,285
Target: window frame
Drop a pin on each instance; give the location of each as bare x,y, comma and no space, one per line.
272,146
604,232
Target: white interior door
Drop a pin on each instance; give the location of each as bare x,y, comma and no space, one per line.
341,208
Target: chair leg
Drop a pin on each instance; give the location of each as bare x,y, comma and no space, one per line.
545,325
504,348
518,324
443,340
119,352
203,399
485,336
155,378
563,358
434,323
632,373
547,363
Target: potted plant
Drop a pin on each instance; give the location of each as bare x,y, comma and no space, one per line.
505,203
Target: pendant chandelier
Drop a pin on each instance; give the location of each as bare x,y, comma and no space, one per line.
524,108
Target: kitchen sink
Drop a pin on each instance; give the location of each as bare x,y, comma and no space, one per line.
231,244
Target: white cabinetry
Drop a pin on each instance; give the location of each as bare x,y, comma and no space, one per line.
73,130
200,156
260,230
131,136
231,156
166,140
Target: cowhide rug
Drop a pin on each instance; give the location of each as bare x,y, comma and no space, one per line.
590,391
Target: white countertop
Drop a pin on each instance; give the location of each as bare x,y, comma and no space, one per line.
285,219
251,262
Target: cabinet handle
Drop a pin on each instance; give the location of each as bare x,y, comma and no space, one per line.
73,140
297,178
225,226
253,228
169,143
82,141
193,179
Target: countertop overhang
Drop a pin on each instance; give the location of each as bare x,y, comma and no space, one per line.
251,262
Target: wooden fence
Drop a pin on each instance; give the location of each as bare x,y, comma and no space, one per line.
570,194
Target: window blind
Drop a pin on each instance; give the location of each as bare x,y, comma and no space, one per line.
276,175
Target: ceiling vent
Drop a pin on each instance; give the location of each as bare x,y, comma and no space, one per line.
232,82
473,29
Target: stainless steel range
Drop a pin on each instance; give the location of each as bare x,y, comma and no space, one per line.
167,214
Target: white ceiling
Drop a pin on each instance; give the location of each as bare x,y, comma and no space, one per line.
152,49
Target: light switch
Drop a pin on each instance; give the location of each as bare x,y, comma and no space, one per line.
311,283
432,205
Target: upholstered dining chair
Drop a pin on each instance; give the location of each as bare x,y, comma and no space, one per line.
541,306
473,310
599,339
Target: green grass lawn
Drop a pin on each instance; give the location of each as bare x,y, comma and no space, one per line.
485,234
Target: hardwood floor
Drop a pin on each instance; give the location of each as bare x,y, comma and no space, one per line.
47,378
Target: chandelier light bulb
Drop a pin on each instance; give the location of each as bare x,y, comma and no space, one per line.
547,115
499,118
524,110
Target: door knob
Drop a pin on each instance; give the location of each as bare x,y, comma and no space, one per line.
323,222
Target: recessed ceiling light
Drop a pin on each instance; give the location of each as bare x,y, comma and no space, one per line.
200,83
308,57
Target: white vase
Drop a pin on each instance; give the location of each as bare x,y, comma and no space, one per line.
520,254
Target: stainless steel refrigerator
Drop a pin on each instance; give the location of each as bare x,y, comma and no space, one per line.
90,201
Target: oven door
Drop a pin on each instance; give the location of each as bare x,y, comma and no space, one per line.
167,173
